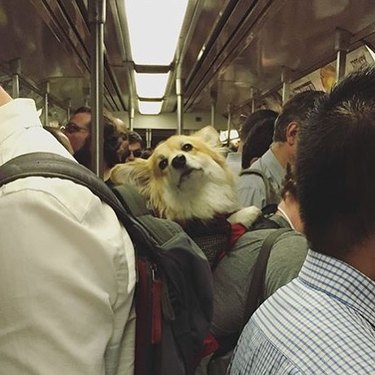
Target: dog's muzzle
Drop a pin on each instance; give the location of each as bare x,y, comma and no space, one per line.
179,161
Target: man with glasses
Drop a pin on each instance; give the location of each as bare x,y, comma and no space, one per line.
130,147
78,130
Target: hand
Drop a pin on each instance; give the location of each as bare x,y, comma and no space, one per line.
4,97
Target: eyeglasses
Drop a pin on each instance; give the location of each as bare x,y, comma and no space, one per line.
71,127
136,153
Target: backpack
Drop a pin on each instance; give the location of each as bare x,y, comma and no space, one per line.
272,197
174,293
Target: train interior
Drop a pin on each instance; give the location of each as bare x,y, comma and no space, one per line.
229,57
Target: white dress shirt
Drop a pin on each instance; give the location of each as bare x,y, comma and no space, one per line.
67,269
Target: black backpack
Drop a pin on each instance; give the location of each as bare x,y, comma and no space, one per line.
174,291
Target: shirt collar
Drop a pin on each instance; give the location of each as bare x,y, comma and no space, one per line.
278,172
341,281
16,115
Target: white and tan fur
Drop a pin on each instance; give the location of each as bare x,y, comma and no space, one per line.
186,178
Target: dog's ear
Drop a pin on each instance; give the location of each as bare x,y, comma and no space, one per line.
136,173
209,135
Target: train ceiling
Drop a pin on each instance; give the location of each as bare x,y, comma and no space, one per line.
229,48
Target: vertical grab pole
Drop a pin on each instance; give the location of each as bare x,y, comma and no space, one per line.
96,21
252,97
342,40
213,94
69,109
131,118
180,103
285,79
229,123
46,103
15,67
148,137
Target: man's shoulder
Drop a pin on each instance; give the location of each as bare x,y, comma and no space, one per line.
300,319
64,195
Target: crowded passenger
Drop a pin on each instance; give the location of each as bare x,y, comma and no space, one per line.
78,130
234,272
110,148
323,321
131,147
234,159
66,265
258,140
252,189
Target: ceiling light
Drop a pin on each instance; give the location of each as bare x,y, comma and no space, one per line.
154,29
149,108
151,85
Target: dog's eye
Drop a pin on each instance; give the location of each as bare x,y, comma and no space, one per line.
187,147
163,164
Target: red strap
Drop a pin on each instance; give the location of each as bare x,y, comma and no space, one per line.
238,230
210,345
156,312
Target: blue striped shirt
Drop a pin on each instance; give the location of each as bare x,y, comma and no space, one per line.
323,322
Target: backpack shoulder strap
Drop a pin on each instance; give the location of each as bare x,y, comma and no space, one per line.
269,189
255,294
127,203
160,229
45,164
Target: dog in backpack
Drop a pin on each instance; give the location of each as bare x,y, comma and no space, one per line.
187,180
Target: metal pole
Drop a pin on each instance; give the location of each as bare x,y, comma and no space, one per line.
180,105
15,67
342,41
131,118
69,109
285,79
213,94
252,96
213,110
229,123
148,137
46,92
96,21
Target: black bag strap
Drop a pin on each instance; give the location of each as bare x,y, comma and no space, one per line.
255,294
45,164
270,193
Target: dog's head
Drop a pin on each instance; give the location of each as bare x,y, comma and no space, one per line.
185,177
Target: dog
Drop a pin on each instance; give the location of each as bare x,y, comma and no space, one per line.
185,179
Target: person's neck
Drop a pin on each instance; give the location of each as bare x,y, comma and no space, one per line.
280,151
362,258
283,210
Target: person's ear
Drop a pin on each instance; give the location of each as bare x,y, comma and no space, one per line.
291,133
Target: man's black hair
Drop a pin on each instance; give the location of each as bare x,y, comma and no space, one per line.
258,140
296,110
133,137
111,143
82,110
335,167
254,118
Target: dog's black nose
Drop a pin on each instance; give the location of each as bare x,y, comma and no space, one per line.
179,161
